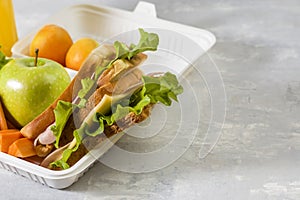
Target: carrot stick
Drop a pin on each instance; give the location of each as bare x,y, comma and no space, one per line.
7,137
22,148
3,124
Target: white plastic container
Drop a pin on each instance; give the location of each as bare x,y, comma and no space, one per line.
102,23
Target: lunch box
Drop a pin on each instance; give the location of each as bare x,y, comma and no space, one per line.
84,21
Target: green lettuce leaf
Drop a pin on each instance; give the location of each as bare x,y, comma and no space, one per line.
121,111
62,112
161,89
3,59
147,42
100,69
87,84
62,163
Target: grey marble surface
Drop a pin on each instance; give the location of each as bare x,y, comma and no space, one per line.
258,154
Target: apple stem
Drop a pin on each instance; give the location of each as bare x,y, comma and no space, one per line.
36,57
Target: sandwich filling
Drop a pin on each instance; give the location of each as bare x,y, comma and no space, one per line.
117,96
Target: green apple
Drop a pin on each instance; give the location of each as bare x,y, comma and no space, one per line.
27,90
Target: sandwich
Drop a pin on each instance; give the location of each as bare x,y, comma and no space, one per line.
108,95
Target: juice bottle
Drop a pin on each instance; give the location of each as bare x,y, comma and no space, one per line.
8,32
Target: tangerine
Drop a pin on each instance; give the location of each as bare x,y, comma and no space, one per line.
79,51
53,43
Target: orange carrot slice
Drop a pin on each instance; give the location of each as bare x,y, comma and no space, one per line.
3,124
7,137
22,148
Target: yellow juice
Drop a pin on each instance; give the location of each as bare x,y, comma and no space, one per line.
8,32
